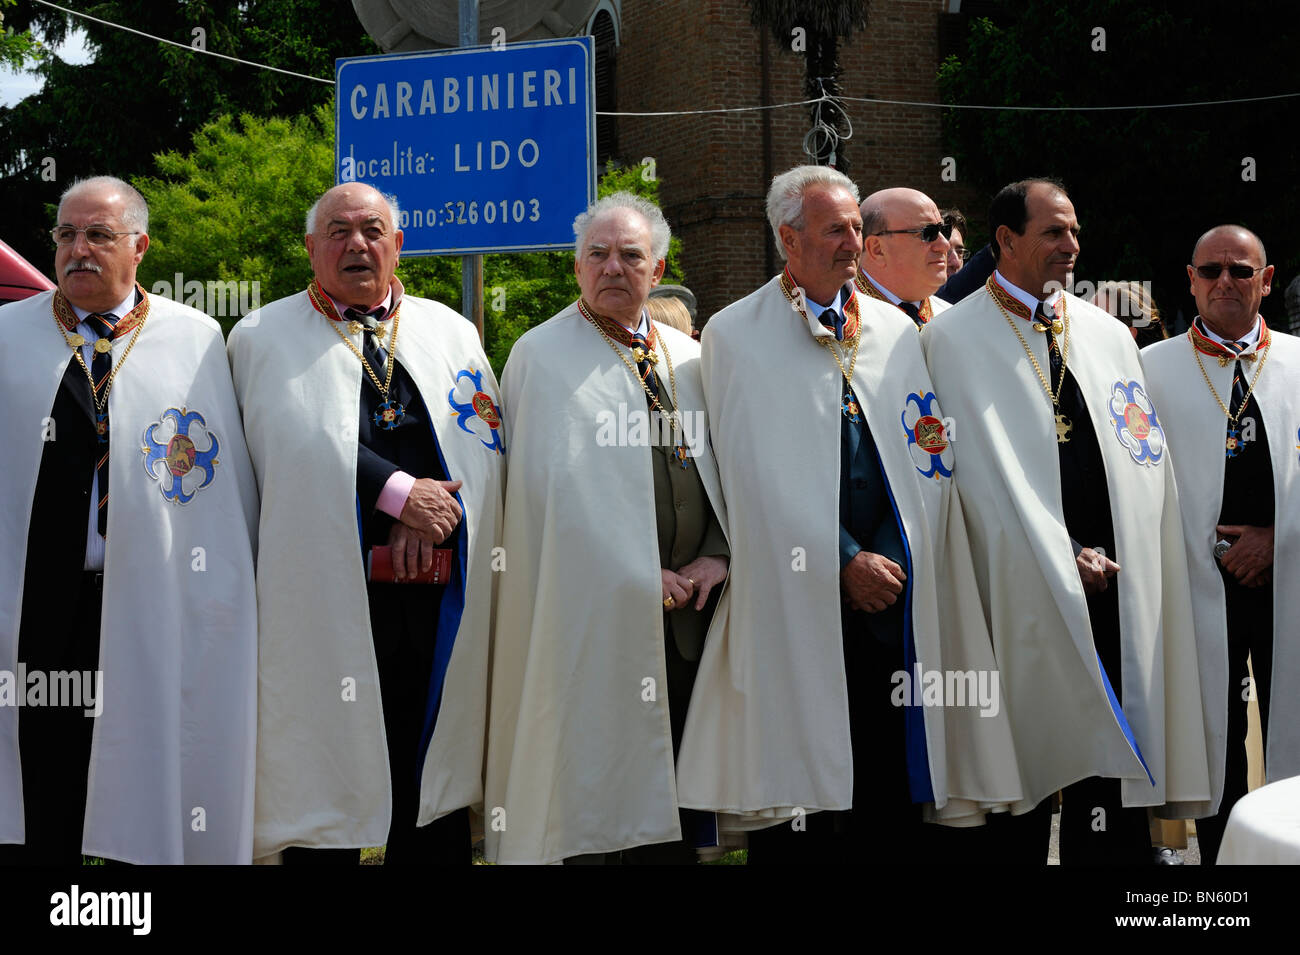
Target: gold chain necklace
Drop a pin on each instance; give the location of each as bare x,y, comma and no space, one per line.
680,452
848,405
1063,424
1232,443
75,342
390,413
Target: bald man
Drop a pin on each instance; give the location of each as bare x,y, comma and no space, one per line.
1229,397
904,252
373,423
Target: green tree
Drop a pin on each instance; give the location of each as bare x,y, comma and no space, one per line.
1146,182
138,97
16,48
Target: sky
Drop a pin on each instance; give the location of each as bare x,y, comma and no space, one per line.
16,86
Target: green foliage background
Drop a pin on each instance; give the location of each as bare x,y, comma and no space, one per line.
1146,183
232,208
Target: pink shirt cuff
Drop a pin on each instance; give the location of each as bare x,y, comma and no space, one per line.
393,497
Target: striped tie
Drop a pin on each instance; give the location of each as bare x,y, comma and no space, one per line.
100,369
1047,316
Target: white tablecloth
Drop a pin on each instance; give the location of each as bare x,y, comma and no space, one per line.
1264,828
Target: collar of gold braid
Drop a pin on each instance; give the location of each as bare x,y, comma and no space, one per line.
602,324
321,301
614,329
1222,353
1260,352
132,321
865,286
126,324
1063,345
851,319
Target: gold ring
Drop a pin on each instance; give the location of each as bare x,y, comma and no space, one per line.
692,580
668,601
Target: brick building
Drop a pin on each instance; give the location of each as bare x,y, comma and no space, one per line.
714,169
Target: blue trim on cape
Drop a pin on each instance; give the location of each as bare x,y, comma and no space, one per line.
918,763
1123,720
450,611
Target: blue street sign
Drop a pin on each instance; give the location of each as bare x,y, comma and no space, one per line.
485,149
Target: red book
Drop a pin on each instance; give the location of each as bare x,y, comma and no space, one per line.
379,567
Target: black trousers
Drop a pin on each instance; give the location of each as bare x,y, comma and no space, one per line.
884,825
54,741
403,618
1250,633
1096,828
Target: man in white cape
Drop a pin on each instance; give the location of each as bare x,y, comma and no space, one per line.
904,252
839,677
126,564
372,420
1229,399
616,554
1074,529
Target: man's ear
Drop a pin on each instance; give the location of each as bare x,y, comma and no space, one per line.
659,271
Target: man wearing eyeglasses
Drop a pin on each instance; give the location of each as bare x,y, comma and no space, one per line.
133,662
373,420
904,252
1073,518
1229,397
957,251
845,591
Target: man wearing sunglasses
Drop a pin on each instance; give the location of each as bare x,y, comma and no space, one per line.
129,516
904,252
1073,518
1229,396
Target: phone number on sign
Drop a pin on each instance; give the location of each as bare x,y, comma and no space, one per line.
472,213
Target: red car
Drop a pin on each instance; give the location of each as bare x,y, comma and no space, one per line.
18,277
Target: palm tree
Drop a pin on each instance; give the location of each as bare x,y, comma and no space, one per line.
825,23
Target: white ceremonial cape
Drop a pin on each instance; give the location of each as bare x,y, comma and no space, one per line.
171,764
322,759
768,729
1196,426
580,753
1062,718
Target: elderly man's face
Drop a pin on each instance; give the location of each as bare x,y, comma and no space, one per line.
1227,304
823,255
616,268
97,277
916,268
355,246
956,246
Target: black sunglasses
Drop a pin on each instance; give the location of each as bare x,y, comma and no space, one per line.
928,233
1242,272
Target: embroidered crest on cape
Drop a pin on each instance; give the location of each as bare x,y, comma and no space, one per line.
180,453
927,439
1136,426
478,415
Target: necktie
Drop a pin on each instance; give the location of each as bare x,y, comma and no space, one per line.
375,353
835,322
1047,316
641,352
913,312
1238,386
101,366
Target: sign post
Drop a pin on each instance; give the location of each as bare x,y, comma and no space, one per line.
489,149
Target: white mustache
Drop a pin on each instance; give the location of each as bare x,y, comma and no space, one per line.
85,265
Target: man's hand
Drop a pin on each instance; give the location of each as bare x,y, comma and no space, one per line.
1250,558
411,553
431,511
871,582
676,587
1094,569
704,573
